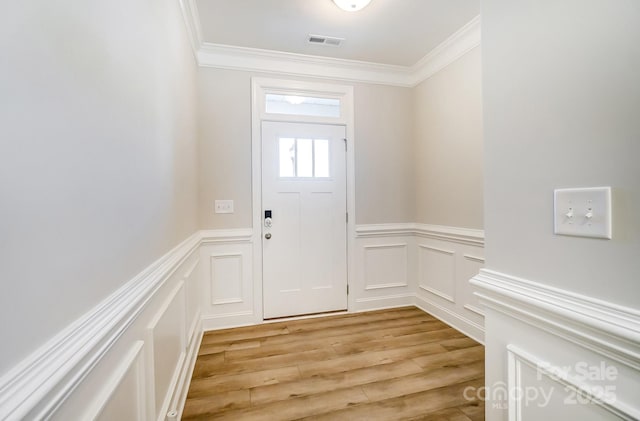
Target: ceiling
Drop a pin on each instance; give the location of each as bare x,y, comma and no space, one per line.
393,32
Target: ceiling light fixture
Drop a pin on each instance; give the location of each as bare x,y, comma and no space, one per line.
352,5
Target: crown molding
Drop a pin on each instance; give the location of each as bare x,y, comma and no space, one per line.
277,62
457,45
191,18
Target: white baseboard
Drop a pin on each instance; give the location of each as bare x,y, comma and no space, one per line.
229,320
380,303
453,319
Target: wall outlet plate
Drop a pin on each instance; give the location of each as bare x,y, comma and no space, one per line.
224,206
583,212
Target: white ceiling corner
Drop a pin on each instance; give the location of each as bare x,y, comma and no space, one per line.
286,63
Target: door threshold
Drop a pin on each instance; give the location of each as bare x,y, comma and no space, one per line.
306,316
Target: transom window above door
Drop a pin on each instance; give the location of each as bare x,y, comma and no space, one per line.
303,158
302,105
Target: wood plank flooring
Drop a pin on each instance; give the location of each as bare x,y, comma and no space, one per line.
398,364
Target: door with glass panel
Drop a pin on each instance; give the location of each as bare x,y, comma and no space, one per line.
304,238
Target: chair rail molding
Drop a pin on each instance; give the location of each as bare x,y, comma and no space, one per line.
469,236
242,235
606,328
37,386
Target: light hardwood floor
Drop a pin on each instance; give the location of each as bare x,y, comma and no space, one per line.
398,364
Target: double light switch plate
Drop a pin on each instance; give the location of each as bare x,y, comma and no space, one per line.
583,212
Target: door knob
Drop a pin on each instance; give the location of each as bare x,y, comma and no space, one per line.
267,236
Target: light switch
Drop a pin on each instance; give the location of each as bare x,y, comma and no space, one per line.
224,206
583,212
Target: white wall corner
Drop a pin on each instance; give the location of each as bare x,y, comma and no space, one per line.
461,42
451,317
191,18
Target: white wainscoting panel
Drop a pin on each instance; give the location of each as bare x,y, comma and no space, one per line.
582,352
192,293
448,257
383,274
425,265
166,338
123,396
556,390
227,276
385,266
437,271
469,267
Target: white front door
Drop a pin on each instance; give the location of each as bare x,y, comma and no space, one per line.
304,242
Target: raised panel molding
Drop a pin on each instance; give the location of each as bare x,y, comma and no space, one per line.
519,360
473,264
192,297
166,339
253,59
226,278
123,395
385,266
474,309
436,269
605,328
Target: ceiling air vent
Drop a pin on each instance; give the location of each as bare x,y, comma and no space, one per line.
324,40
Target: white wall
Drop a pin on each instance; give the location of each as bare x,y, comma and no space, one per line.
384,148
561,101
385,183
448,145
98,170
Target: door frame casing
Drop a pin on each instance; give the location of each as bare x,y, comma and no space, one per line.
259,88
